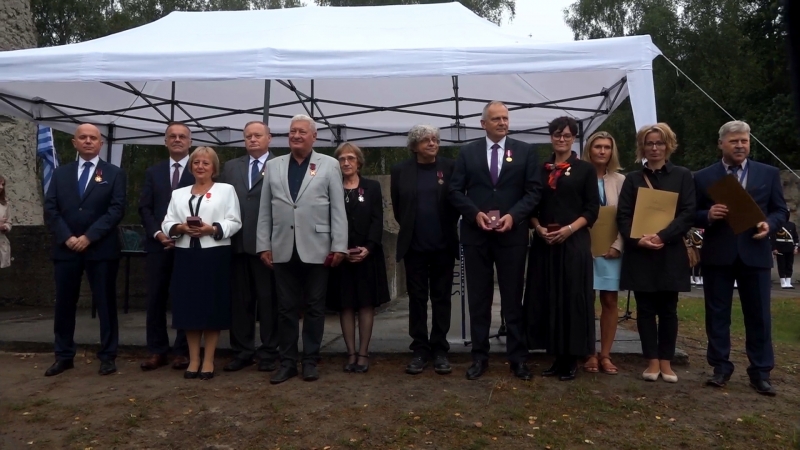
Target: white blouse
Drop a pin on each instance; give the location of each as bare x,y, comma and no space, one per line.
220,205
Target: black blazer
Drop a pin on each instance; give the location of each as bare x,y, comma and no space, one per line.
666,269
155,197
517,192
365,223
95,215
720,245
404,203
237,173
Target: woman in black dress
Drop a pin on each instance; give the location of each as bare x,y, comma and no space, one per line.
559,296
656,266
359,284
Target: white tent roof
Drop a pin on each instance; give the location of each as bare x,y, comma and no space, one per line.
367,74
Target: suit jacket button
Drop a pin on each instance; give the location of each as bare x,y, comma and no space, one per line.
295,206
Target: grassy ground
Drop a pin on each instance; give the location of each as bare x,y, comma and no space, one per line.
386,409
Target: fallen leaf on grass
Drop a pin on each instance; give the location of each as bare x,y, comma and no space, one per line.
672,419
457,414
529,435
494,438
739,420
535,428
478,424
26,414
588,442
658,417
416,417
531,422
778,436
327,447
132,400
353,439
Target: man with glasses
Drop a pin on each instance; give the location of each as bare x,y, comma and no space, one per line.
159,182
744,259
495,187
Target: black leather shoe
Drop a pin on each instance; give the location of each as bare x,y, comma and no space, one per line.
58,367
107,367
521,371
718,380
189,375
267,365
283,374
237,364
416,366
206,375
361,368
569,374
477,369
554,370
441,365
310,372
763,387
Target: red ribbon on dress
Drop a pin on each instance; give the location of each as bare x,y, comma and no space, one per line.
556,170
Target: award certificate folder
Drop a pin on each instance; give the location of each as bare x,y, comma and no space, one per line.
604,231
654,210
743,212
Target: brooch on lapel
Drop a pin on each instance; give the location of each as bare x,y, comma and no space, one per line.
98,176
361,195
508,155
568,169
440,176
313,169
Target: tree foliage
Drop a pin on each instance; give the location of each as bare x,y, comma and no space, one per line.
733,49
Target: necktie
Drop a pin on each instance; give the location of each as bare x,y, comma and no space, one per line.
734,170
84,178
254,174
493,164
176,176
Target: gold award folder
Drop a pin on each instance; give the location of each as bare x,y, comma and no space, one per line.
743,212
604,231
654,210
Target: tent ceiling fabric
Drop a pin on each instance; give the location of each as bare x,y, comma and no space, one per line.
366,74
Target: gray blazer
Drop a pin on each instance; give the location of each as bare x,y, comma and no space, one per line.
316,223
237,173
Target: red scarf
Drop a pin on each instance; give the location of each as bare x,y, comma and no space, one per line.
556,170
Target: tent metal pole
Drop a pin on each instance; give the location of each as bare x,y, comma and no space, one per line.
582,139
110,143
267,88
312,99
172,104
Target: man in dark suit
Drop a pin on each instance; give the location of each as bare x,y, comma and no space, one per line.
83,206
252,282
496,175
745,259
159,182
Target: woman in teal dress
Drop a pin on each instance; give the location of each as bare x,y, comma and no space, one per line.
601,151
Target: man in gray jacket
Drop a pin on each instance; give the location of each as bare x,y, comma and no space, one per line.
302,230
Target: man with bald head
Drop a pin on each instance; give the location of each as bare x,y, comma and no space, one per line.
83,206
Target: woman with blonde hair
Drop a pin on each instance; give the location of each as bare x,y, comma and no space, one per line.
5,227
656,266
601,151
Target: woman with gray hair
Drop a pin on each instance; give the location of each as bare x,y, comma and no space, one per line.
427,243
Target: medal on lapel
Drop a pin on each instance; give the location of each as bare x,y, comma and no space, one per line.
440,176
208,196
312,169
361,195
508,155
98,176
568,169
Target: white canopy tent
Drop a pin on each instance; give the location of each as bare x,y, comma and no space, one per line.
366,74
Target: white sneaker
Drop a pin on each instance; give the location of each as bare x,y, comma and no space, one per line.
699,281
789,283
735,285
783,283
694,280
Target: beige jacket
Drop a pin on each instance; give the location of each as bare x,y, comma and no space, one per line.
613,185
5,246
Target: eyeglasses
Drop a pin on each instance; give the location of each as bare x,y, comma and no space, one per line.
657,144
347,158
566,137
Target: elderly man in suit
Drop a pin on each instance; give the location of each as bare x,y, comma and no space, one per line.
745,259
83,206
302,229
496,175
253,283
159,182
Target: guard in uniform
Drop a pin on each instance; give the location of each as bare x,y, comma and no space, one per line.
695,239
784,247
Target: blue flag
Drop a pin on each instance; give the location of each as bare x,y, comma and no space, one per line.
47,152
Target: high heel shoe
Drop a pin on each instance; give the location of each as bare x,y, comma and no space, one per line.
189,375
349,367
206,375
649,376
358,368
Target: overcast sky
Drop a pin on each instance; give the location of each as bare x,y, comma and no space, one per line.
542,19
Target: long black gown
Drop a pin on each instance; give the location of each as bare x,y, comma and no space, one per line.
559,295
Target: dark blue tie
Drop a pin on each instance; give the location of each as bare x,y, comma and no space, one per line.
254,174
84,178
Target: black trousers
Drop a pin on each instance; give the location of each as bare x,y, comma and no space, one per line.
480,262
159,275
253,296
298,283
102,277
429,275
785,263
658,339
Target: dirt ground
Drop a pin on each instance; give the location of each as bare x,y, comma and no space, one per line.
387,409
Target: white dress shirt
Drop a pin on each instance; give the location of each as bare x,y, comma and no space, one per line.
743,170
81,162
261,161
500,154
183,162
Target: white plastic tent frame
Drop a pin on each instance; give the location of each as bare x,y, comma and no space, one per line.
365,74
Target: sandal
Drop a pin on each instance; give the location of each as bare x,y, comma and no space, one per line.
606,366
591,364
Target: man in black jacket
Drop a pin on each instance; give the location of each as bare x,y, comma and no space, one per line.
495,187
